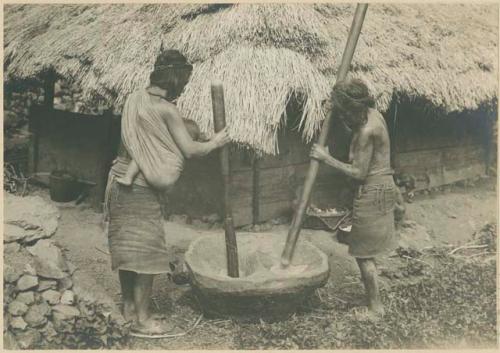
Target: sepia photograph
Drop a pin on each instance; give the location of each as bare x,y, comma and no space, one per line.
250,176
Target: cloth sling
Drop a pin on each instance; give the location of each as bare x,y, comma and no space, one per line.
148,141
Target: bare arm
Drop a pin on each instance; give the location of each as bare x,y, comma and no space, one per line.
361,160
188,147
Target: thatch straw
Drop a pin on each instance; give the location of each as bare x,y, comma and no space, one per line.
296,27
445,53
264,53
256,78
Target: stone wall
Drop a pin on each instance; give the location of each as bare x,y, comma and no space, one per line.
42,307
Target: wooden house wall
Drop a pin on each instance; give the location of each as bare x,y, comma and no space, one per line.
256,199
434,151
80,144
439,151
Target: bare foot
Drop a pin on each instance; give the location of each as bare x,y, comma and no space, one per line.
152,327
124,181
377,309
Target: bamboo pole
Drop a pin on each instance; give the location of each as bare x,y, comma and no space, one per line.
293,233
219,124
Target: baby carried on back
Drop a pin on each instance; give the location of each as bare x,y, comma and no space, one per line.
148,141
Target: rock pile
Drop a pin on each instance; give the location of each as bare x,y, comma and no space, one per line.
41,310
69,97
17,105
19,99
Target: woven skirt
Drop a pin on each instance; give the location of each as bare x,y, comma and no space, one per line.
136,235
373,232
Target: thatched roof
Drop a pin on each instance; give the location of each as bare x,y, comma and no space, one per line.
263,53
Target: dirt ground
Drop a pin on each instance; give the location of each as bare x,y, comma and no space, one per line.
442,217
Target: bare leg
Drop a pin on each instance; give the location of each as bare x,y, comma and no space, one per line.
132,171
146,321
142,296
369,277
127,280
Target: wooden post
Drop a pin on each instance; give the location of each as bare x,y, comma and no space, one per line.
49,88
219,124
293,233
255,189
34,121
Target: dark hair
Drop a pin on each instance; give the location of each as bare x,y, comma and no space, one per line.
352,97
171,72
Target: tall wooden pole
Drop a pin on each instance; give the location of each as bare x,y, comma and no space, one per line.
219,124
293,233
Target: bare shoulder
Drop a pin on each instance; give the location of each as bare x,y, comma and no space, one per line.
365,133
168,108
376,122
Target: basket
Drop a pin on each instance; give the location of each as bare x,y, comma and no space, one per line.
328,223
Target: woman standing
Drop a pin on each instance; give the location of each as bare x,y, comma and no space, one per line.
372,231
155,138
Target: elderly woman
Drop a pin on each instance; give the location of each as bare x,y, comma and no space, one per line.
369,166
155,137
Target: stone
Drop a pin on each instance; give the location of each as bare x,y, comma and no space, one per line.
36,315
49,332
27,282
78,107
71,267
28,339
31,213
65,312
18,323
11,248
65,284
57,89
45,308
51,296
9,341
58,102
48,269
6,321
49,261
36,235
68,297
29,270
27,298
13,233
17,308
62,323
11,274
45,284
8,293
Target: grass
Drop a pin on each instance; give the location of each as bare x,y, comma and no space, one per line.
452,304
